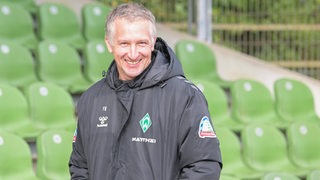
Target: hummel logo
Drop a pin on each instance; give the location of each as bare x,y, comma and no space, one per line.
145,122
103,120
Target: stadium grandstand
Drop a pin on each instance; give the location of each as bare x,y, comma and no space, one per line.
267,115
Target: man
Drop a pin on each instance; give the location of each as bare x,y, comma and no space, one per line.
144,121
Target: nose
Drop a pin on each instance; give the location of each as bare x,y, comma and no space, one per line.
133,52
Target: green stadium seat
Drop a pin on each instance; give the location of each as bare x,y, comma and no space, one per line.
15,158
58,22
198,61
28,5
279,176
304,144
294,101
51,106
231,156
17,25
313,175
97,59
14,113
53,149
252,102
60,64
218,105
93,18
17,66
264,149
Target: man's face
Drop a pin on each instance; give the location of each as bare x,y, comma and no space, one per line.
131,47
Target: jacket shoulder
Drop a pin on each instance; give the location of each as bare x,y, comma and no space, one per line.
93,90
184,83
183,86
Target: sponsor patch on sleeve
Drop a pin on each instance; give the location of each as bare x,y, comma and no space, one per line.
75,136
206,129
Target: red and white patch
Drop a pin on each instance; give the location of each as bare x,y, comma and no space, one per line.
75,136
206,129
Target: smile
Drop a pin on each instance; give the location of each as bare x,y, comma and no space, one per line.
133,62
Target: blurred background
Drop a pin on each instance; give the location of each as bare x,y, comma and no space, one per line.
283,32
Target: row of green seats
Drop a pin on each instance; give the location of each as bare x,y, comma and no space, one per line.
41,106
53,151
263,149
313,175
250,101
54,148
53,21
292,101
54,62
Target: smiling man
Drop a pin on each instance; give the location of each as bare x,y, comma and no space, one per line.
144,120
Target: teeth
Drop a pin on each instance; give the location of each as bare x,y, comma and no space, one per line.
132,62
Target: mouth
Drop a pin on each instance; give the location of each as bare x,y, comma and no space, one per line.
133,62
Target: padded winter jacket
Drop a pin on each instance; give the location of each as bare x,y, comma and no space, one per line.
155,127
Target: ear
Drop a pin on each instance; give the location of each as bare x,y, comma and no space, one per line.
109,46
154,39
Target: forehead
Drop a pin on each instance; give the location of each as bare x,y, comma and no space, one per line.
132,29
122,23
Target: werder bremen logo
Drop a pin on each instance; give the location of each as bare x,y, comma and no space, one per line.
145,122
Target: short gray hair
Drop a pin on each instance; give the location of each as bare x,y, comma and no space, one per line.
130,12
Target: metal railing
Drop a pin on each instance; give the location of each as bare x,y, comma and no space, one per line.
283,32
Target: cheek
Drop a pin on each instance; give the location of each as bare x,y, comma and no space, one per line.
119,52
146,52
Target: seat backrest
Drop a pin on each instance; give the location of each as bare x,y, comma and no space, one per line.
93,18
304,145
264,147
16,158
22,25
197,58
21,29
313,175
50,106
230,147
53,150
279,176
13,106
59,63
216,97
17,66
29,5
294,100
97,59
14,113
57,21
251,101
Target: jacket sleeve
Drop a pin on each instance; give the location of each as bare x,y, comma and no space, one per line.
77,163
199,151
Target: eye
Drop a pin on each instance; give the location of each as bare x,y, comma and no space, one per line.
142,43
123,44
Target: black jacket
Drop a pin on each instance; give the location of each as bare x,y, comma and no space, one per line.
156,127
